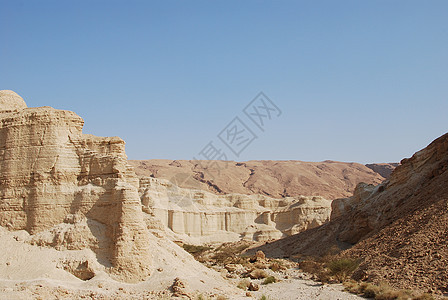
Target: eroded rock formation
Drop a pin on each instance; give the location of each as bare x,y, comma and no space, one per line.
207,217
51,173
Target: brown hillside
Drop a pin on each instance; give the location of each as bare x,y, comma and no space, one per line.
400,227
277,179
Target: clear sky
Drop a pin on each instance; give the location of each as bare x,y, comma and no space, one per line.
363,81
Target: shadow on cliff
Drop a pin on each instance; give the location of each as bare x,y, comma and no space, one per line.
102,247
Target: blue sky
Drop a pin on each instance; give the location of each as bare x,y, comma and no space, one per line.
363,81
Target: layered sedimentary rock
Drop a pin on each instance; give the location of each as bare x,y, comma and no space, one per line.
51,173
210,217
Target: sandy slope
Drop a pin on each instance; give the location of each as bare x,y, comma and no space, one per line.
34,272
28,271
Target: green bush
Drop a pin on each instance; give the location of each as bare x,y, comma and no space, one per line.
342,268
270,279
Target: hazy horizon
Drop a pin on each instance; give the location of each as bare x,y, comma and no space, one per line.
355,81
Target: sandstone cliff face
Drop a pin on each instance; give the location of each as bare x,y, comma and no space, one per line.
207,217
51,173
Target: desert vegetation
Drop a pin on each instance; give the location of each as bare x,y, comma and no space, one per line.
333,269
383,291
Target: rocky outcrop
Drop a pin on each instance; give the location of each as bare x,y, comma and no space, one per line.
276,179
52,173
10,101
206,217
397,229
384,169
343,205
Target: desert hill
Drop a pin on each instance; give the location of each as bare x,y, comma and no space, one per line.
399,228
277,179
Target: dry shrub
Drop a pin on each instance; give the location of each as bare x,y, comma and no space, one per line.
317,269
258,274
370,290
352,287
243,284
226,254
382,291
195,250
277,266
309,266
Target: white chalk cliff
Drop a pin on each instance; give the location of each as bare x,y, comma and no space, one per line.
52,173
199,216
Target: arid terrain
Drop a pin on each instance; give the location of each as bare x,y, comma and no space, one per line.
277,179
78,220
398,229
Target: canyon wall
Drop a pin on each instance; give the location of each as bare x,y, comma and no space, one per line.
52,173
197,215
398,230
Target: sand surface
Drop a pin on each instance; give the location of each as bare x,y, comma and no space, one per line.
35,272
